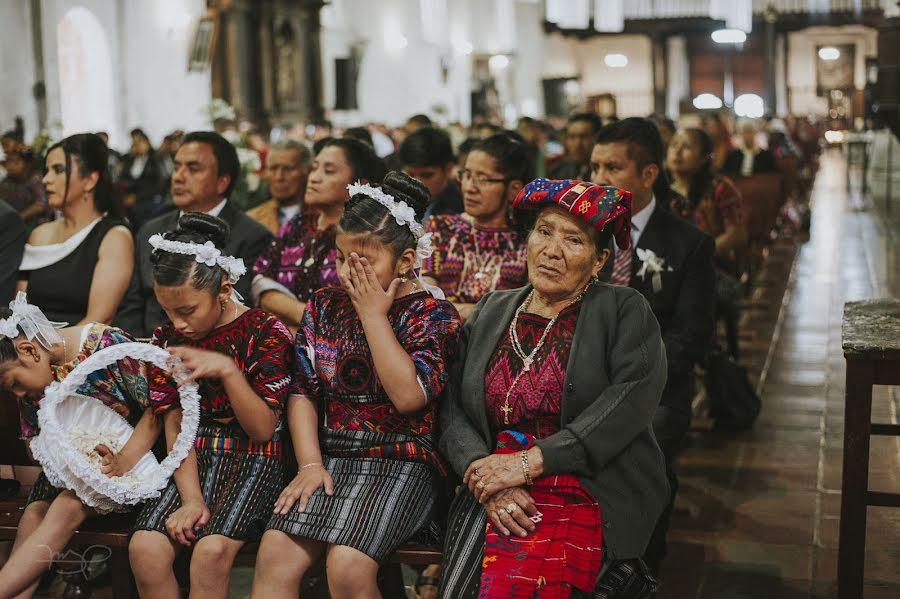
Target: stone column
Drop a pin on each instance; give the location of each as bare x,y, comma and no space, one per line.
660,72
771,97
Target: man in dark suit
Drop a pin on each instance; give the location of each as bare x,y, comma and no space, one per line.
671,264
12,246
206,170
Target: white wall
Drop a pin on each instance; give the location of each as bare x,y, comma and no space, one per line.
16,68
394,82
145,47
631,85
802,57
159,94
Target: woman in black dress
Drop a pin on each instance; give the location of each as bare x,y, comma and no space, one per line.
76,269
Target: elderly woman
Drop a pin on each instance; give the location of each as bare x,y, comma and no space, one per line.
549,418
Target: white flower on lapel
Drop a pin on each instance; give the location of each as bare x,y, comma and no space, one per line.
653,265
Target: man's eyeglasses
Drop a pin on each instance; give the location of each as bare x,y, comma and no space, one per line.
479,180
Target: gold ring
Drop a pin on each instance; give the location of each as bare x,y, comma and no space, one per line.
511,508
479,484
477,473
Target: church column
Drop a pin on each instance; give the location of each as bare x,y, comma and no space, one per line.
39,91
311,57
769,64
660,72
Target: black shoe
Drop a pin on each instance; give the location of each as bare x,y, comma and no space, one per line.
9,488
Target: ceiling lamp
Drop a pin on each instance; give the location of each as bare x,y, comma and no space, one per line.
750,106
729,36
498,62
616,61
707,102
829,53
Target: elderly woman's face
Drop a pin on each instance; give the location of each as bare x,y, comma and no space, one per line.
562,255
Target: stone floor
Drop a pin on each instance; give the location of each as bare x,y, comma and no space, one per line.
757,514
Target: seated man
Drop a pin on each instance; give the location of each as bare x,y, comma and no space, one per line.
287,167
427,155
578,140
749,159
670,263
206,170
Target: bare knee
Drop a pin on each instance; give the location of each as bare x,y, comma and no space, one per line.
151,556
351,573
214,553
33,515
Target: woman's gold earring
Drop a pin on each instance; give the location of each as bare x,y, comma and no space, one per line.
222,304
404,279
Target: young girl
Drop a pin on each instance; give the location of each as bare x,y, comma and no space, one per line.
33,354
222,494
372,362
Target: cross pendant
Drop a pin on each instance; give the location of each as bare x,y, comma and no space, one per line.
506,410
527,363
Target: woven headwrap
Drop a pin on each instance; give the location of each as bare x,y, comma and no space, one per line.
600,206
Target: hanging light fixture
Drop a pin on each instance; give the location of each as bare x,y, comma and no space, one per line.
729,36
616,61
829,53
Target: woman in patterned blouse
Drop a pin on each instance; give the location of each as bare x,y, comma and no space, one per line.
373,360
710,201
303,259
483,249
222,494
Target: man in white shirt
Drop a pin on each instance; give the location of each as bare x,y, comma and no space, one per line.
206,170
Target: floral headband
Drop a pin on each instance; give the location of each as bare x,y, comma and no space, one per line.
31,321
404,214
206,253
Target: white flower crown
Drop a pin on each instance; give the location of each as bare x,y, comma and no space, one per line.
403,213
206,253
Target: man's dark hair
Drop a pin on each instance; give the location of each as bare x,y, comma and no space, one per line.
640,135
586,117
426,147
226,156
420,120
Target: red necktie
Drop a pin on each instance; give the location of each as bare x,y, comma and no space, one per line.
621,274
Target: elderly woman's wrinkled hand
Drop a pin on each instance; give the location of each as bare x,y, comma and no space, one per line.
511,511
494,473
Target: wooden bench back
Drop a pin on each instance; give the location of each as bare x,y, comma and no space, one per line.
763,196
12,449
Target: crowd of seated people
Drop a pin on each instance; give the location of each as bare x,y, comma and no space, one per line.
499,360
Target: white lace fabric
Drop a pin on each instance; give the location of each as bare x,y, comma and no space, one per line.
67,419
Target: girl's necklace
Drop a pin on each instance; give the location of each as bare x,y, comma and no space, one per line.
528,360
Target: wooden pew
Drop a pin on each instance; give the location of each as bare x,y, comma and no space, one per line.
763,197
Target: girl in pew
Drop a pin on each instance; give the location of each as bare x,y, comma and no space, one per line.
35,352
372,361
222,494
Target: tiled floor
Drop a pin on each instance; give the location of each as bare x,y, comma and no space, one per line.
757,514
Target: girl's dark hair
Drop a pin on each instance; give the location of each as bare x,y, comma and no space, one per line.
363,161
170,269
511,153
91,155
7,349
702,180
363,215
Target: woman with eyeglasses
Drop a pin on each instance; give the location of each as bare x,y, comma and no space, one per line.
482,249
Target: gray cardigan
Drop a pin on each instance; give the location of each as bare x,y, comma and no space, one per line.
614,381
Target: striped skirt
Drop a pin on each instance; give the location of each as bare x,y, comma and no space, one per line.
42,490
239,488
464,550
377,505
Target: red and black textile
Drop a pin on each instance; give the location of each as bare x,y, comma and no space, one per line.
260,345
563,552
597,205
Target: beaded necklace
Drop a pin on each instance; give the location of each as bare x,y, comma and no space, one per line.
528,360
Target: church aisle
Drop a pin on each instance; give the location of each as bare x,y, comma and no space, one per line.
757,514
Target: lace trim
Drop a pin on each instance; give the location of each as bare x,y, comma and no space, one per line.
66,467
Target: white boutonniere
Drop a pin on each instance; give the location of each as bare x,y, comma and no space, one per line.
654,266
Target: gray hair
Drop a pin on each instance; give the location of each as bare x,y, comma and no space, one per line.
304,154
